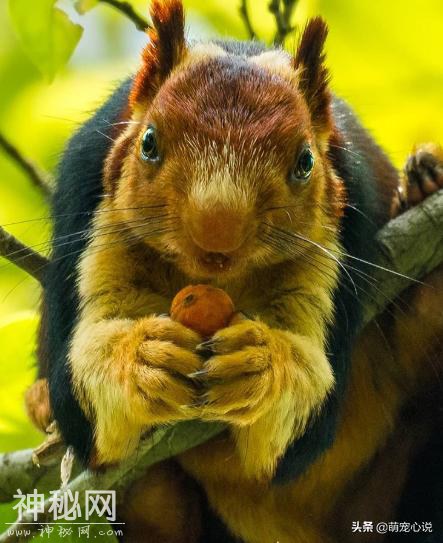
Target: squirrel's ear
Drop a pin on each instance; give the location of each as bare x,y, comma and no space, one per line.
313,75
165,49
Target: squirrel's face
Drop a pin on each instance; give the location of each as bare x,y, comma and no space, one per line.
224,162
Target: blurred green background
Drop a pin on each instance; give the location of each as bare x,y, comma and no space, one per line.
386,59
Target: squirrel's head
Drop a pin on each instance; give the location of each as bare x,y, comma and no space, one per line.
226,150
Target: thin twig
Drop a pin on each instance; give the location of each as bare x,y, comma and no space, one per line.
244,14
38,178
22,256
282,11
125,7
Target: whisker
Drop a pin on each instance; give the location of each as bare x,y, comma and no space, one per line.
358,155
362,276
320,266
282,245
347,255
361,213
124,239
93,212
104,230
80,233
287,208
122,122
105,135
324,249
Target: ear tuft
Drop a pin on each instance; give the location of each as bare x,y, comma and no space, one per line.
165,49
314,76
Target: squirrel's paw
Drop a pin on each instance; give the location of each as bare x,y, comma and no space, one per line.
162,357
424,173
241,379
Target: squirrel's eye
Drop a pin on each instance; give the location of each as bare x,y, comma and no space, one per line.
303,167
149,150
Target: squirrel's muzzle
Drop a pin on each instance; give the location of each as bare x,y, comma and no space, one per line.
218,230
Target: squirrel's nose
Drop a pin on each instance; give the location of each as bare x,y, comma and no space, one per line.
218,230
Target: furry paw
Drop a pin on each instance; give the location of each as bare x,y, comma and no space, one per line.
242,378
162,357
424,173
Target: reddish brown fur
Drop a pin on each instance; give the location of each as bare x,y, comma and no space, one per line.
405,345
165,48
219,100
112,169
37,404
162,506
210,98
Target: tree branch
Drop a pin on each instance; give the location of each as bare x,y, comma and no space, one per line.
412,246
244,14
22,256
126,8
161,444
18,470
32,468
38,178
282,11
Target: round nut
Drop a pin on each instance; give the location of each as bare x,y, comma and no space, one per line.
202,308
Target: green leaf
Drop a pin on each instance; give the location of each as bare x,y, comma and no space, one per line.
47,34
82,6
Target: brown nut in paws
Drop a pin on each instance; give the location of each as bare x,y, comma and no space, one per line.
202,308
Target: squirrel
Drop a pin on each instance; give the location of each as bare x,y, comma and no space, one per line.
232,164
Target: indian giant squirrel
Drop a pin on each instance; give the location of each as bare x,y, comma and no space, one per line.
232,164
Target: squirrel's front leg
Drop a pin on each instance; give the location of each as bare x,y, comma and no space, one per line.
130,375
266,383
